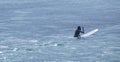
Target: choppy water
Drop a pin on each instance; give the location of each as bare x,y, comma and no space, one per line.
42,30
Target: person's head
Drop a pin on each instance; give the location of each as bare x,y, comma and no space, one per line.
79,28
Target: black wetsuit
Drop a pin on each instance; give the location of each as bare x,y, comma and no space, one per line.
77,33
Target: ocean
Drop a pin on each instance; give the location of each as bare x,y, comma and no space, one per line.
43,30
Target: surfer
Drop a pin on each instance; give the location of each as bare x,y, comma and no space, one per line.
78,31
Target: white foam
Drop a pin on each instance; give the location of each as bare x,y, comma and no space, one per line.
1,52
34,41
15,49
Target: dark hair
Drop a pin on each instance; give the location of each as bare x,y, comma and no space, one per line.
79,28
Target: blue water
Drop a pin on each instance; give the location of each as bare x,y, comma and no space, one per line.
42,30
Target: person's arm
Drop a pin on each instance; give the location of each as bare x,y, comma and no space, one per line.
82,30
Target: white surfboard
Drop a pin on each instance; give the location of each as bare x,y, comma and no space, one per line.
89,33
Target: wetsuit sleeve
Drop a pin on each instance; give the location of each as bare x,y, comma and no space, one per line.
82,31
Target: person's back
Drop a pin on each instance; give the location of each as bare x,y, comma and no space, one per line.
77,32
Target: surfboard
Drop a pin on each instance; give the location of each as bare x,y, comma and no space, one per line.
90,33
